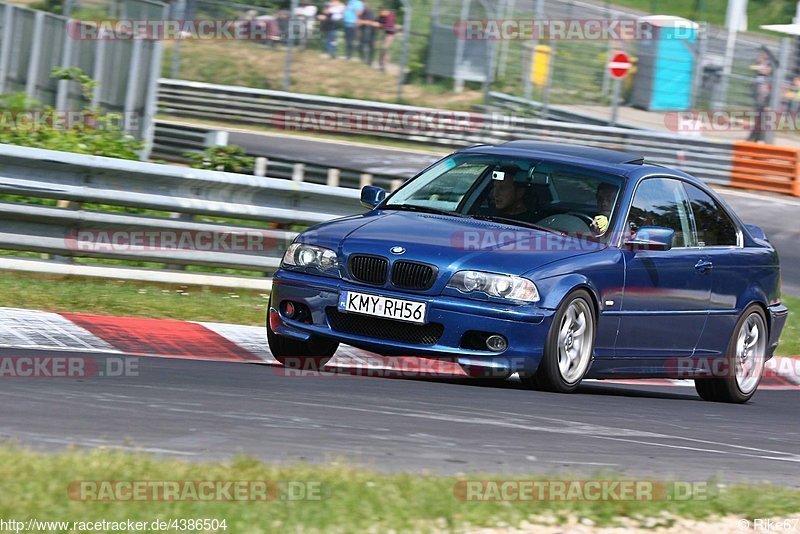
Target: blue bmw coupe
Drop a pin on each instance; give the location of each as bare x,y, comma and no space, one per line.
553,261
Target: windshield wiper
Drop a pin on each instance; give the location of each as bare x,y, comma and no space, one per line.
509,220
420,209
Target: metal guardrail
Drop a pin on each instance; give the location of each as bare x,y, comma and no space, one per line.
105,199
708,160
174,139
515,104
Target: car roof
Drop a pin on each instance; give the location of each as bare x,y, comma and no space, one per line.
598,158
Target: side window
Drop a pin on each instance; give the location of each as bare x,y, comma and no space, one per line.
662,202
714,227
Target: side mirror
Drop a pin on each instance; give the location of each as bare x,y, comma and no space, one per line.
371,196
757,232
651,238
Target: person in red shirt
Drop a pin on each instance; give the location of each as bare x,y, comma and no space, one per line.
388,23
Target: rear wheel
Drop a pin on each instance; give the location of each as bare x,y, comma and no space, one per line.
569,346
746,355
295,354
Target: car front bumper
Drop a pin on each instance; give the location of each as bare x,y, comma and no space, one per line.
524,327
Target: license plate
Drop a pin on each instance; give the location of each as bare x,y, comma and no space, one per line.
376,306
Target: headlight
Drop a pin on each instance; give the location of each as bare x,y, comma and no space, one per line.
495,285
300,255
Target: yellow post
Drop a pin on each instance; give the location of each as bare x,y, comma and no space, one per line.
540,69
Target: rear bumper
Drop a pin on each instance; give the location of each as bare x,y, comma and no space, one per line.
777,320
525,327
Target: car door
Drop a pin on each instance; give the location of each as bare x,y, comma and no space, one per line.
666,293
732,267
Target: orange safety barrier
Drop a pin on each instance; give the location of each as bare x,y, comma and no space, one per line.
766,168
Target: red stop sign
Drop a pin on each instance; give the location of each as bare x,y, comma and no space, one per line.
620,65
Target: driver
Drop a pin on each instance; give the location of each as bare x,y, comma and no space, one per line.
606,195
510,197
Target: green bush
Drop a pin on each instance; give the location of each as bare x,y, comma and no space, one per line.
26,122
231,158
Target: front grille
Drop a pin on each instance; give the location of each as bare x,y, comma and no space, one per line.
379,328
369,269
412,275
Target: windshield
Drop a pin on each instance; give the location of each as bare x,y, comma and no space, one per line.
526,192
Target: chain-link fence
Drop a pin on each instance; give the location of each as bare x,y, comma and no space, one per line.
33,43
292,47
576,70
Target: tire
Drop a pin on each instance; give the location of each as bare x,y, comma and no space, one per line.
305,355
746,355
567,355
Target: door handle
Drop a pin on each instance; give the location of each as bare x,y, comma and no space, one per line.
704,266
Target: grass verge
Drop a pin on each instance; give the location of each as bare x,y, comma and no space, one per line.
352,500
134,299
240,306
253,65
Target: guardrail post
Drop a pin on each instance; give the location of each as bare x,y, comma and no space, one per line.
5,45
366,179
180,217
298,172
261,166
67,205
333,177
216,138
35,56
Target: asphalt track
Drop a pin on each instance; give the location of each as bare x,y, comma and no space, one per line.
779,216
210,410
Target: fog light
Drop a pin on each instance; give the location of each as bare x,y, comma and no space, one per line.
288,309
496,343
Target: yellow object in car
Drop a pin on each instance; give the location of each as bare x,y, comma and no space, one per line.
601,223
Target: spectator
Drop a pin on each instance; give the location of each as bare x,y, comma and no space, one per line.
283,23
367,24
761,92
388,23
307,14
792,96
354,10
330,22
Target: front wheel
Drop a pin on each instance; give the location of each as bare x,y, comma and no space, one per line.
746,355
569,346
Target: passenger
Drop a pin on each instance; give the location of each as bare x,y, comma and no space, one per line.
606,195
